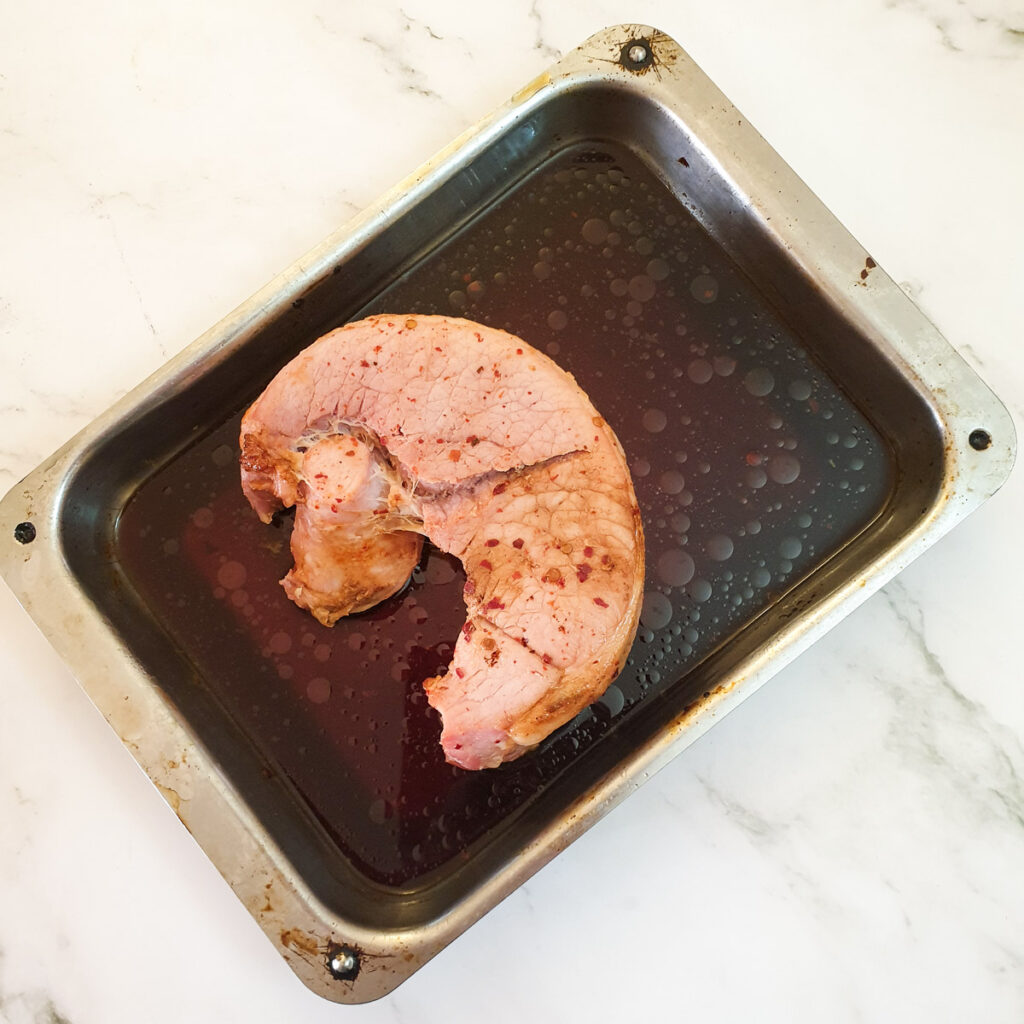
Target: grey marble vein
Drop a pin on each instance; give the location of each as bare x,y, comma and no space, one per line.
949,734
539,42
396,65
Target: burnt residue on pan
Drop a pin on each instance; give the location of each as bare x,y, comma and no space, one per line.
750,464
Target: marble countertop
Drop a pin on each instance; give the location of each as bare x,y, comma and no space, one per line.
846,846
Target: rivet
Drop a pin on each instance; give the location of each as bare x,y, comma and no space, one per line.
343,963
25,533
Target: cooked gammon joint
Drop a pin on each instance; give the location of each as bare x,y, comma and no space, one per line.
398,427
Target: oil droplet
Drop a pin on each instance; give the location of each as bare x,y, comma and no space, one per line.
644,246
790,547
641,467
657,270
439,571
724,366
719,547
357,641
759,381
542,270
612,700
699,371
223,455
232,575
699,590
170,547
656,611
655,421
803,520
280,643
800,390
418,615
318,690
457,299
671,481
557,319
641,288
322,652
756,477
675,568
760,577
704,288
203,518
594,231
783,469
680,522
618,287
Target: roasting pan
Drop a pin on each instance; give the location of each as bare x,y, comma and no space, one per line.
797,432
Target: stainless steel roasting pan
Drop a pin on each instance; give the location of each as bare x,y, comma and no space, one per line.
797,431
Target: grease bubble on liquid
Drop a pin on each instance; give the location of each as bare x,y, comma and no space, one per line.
790,547
680,522
655,421
280,643
641,288
557,319
756,477
644,246
704,288
759,381
719,547
232,575
318,690
203,518
699,590
657,269
783,469
612,700
223,455
618,286
699,371
760,577
641,467
800,390
672,481
656,611
724,365
542,270
675,568
594,231
457,299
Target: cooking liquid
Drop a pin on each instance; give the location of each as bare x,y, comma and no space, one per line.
750,467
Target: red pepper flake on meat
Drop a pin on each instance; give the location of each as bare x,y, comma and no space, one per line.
485,564
582,572
460,673
469,588
468,629
491,543
500,489
454,454
494,603
518,542
363,362
472,440
588,552
600,602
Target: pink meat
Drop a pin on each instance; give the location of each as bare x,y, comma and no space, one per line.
398,426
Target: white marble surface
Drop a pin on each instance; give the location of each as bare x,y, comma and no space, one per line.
849,844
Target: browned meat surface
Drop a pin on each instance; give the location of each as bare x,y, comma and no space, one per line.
394,427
